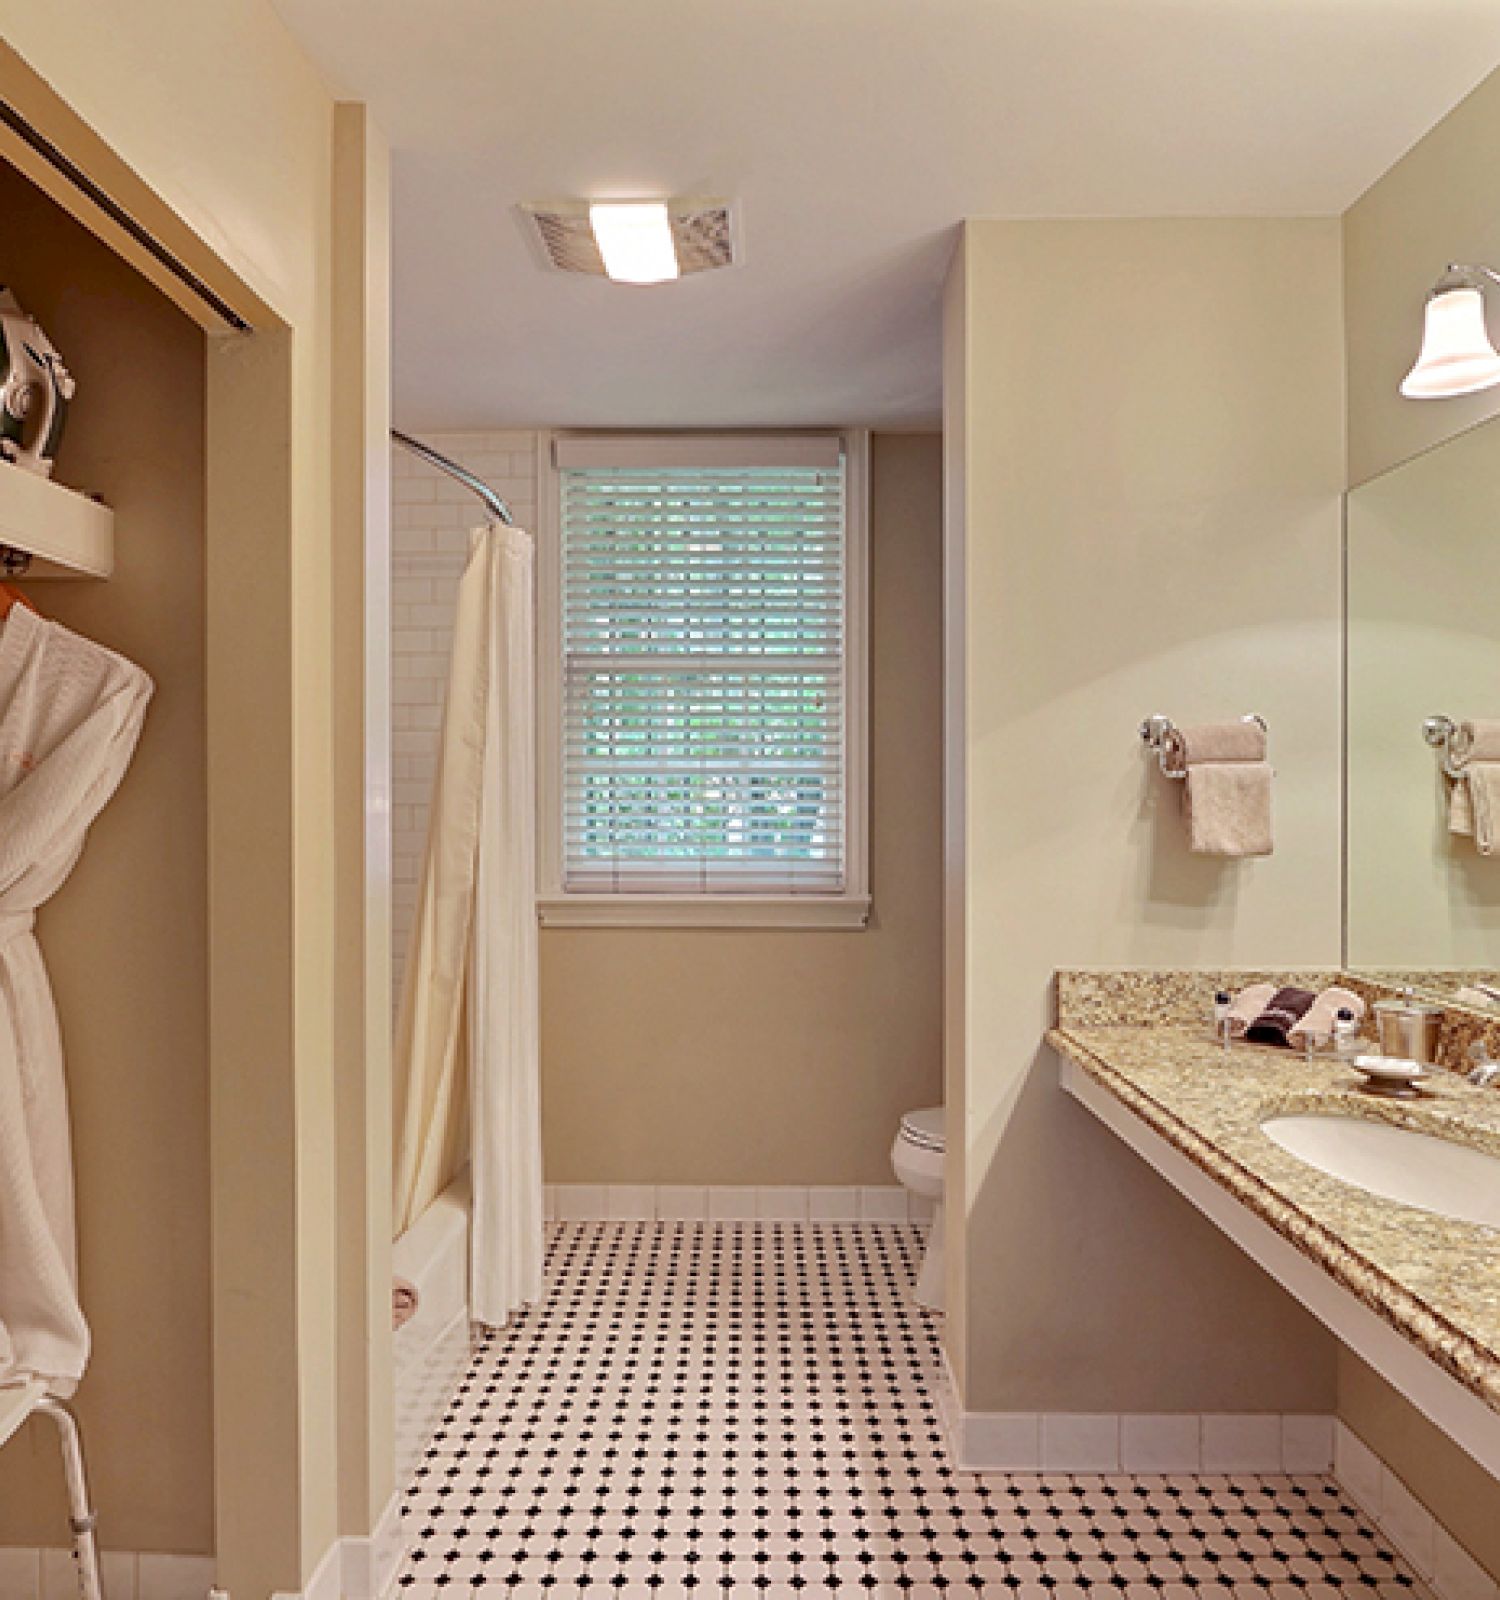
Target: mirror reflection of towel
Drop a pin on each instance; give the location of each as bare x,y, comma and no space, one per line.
1474,805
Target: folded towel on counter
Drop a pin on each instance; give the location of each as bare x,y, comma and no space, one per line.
1481,998
1315,1026
1287,1008
1247,1005
1227,805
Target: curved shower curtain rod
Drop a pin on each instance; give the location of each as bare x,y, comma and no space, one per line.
477,485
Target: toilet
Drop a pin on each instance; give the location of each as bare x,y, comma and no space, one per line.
917,1157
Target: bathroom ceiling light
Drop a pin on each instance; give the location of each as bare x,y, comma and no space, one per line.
704,234
1457,355
635,241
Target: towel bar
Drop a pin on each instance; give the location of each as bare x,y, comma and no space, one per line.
1160,734
1445,736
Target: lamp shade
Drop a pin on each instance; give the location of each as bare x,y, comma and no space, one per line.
1457,356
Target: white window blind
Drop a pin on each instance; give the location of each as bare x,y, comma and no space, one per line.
704,669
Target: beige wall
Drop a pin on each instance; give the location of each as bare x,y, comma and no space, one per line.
957,444
1152,454
1436,205
218,110
763,1057
1424,637
712,1056
228,136
362,773
125,937
1459,1493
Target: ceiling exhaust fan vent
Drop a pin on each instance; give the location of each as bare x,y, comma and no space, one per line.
703,234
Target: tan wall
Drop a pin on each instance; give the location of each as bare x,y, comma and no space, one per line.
125,937
1434,206
218,110
229,132
1452,1485
1153,455
362,766
1424,637
957,445
761,1057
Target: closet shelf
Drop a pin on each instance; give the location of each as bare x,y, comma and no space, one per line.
67,534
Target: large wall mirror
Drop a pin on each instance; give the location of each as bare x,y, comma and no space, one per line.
1423,633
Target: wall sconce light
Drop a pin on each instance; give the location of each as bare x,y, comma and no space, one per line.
1457,355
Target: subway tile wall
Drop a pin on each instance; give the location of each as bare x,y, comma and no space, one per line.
431,517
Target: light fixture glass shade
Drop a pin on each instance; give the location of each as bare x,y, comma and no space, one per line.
635,240
1457,356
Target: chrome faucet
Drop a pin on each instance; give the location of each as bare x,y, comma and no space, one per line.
1486,1070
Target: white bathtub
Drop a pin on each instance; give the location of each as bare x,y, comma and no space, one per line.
432,1349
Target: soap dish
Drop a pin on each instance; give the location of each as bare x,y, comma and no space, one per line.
1392,1074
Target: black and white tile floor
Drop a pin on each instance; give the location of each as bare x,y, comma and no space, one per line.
743,1409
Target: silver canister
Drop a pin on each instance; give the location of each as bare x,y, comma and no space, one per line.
1408,1028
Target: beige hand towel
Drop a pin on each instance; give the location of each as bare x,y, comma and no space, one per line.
1248,1005
1477,746
1221,741
1316,1023
1482,780
1228,808
1460,812
1478,740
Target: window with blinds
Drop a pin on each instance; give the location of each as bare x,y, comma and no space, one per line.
705,665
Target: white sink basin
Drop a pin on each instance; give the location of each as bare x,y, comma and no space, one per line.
1418,1169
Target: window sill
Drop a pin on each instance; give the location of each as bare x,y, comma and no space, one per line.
834,912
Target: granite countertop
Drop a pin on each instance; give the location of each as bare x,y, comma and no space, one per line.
1435,1280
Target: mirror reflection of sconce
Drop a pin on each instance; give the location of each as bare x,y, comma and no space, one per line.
1457,355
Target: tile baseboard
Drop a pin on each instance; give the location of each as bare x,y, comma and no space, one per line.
1164,1442
358,1567
369,1566
1437,1557
352,1569
676,1202
1168,1442
30,1573
1213,1443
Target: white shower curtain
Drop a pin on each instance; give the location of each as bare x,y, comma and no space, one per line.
467,1047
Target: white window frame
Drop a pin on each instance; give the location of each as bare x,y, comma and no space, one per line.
563,908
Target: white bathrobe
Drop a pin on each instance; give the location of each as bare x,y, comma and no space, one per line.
70,714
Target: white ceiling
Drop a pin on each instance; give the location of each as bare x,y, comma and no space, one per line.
854,135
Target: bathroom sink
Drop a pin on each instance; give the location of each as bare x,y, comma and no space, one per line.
1415,1168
